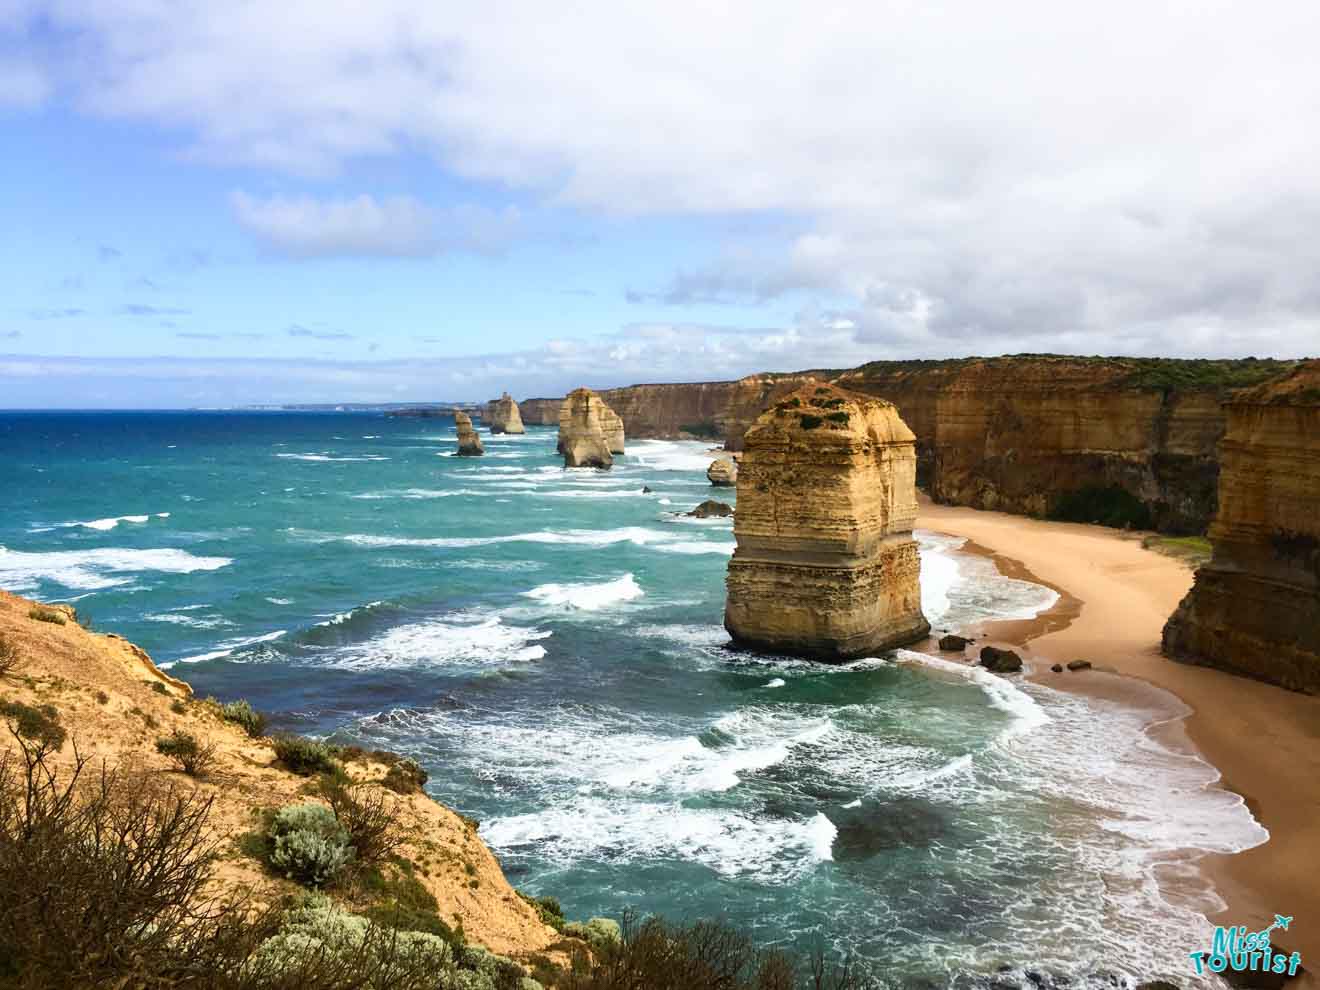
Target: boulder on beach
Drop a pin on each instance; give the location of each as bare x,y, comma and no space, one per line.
710,508
953,644
722,473
469,443
1057,668
999,661
1079,664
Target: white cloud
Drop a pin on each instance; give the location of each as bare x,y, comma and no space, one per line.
398,226
960,174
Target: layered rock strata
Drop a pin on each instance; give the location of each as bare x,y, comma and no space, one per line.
502,415
584,430
469,443
825,565
722,473
1255,607
540,412
613,426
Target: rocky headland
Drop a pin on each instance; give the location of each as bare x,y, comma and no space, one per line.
825,565
1255,606
586,428
469,442
502,415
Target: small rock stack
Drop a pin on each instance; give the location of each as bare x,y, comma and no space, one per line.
722,473
586,427
502,415
469,444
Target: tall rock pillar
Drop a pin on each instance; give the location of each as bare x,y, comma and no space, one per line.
585,430
825,565
469,443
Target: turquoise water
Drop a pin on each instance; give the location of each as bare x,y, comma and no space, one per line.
548,644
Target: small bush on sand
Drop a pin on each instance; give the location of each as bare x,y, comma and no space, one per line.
41,724
305,756
10,658
365,816
47,615
308,844
193,757
598,932
242,713
405,777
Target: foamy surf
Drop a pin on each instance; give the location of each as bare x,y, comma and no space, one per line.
447,640
588,597
96,569
228,648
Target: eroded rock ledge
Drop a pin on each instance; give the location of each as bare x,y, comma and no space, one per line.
1255,607
826,566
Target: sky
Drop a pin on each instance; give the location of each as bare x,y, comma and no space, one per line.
233,203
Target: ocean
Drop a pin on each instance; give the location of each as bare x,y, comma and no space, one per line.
548,644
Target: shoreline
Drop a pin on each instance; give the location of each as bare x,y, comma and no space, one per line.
1114,598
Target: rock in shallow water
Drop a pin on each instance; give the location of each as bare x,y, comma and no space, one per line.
502,415
586,428
999,661
953,644
722,473
469,443
710,508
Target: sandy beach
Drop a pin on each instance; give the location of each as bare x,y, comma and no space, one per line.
1114,599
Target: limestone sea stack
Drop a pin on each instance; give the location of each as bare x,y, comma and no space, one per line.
502,415
613,424
584,430
469,444
825,565
722,473
1255,607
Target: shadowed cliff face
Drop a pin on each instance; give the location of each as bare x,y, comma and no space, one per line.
1255,608
826,566
1123,441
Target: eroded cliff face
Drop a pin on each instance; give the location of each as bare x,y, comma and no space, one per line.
585,428
1119,440
1255,607
540,412
469,443
612,423
502,415
826,566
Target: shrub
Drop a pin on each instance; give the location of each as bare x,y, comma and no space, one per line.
838,417
192,757
242,713
102,698
598,932
158,687
39,724
47,615
308,844
10,658
547,909
365,816
810,422
305,756
405,777
178,707
706,430
402,901
1107,506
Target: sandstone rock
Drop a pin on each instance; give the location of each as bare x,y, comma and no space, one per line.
583,439
710,508
953,644
613,426
1075,665
1255,607
502,416
1057,668
469,443
825,564
722,473
1000,661
540,412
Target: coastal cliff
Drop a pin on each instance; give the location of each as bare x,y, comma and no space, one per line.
540,412
825,564
502,415
102,698
1255,607
1124,441
587,430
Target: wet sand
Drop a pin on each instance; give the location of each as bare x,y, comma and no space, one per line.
1114,599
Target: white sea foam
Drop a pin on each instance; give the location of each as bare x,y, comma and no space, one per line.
180,618
961,588
636,535
699,546
331,457
685,634
342,617
776,682
671,455
280,601
95,569
109,523
228,647
454,639
588,597
999,691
